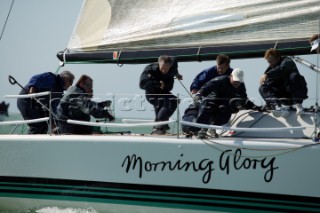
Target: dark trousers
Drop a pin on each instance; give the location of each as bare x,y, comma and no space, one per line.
164,106
212,112
66,128
30,109
276,92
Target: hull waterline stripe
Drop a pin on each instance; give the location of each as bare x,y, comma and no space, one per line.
150,195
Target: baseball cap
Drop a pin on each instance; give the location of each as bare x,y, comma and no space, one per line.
315,44
237,75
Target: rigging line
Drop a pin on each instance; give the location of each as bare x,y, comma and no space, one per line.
5,23
185,88
58,68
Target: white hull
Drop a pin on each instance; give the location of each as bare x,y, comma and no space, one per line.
227,174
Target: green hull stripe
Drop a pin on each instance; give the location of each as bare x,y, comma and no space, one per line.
156,196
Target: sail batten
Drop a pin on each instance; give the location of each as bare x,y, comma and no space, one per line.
144,26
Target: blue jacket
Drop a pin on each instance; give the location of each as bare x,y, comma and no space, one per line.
46,82
205,76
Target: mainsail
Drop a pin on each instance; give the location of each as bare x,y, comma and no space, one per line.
138,31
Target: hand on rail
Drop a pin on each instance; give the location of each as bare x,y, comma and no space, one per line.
110,117
106,103
197,97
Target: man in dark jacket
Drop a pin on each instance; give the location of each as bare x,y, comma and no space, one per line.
223,96
157,80
222,68
76,104
282,85
31,109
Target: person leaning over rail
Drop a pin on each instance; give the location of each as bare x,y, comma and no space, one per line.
157,80
282,85
314,41
223,96
76,104
31,109
222,68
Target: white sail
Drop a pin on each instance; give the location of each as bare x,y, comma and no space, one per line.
149,24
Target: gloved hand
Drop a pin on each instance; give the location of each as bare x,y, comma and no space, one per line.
179,76
106,103
197,97
109,116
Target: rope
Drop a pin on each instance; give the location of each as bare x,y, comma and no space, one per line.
198,54
185,88
118,59
64,56
59,67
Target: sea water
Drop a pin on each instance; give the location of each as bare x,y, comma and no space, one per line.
16,129
57,210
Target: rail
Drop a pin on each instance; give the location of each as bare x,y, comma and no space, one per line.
144,123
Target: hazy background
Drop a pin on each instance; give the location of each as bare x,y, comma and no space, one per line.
38,29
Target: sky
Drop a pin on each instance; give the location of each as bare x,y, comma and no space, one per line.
37,29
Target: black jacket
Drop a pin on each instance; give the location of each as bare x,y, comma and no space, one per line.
282,71
151,77
221,91
77,105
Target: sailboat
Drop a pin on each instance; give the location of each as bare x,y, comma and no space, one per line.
259,163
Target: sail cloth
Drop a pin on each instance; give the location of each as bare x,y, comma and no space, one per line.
133,31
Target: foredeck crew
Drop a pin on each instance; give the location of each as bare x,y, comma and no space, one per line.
76,104
31,109
221,97
157,80
222,68
282,85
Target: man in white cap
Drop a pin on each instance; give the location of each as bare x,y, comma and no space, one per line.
222,96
